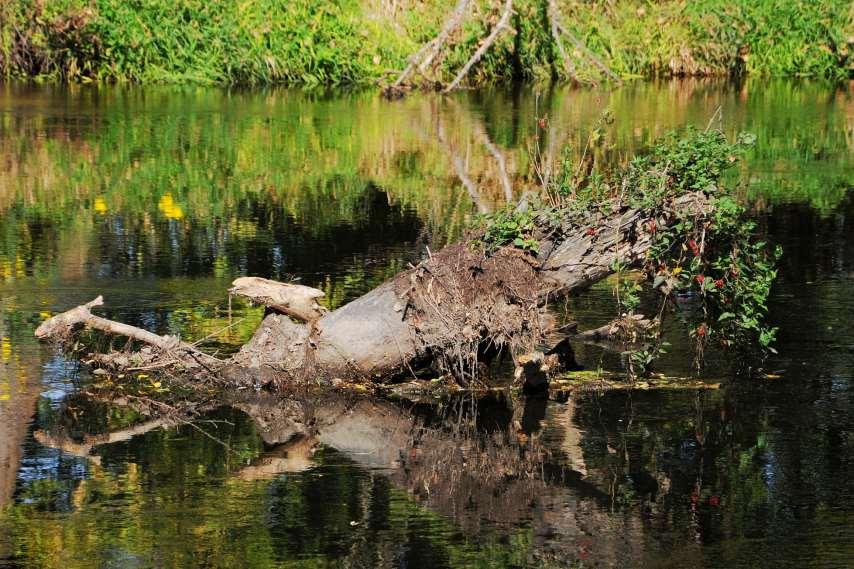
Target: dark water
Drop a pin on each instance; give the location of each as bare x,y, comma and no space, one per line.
158,197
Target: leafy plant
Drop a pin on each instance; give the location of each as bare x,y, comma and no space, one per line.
710,254
509,226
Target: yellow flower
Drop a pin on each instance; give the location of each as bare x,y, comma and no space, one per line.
676,270
100,205
169,208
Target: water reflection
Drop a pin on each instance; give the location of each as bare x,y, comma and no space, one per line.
158,197
693,478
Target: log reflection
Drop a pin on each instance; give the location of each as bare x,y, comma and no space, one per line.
481,464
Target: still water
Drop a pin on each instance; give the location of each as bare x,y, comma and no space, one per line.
158,197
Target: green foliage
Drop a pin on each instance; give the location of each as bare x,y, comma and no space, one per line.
713,255
718,37
509,226
354,42
708,252
642,360
265,42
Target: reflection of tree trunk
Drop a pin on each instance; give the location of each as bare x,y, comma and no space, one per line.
571,445
499,159
464,474
84,448
15,417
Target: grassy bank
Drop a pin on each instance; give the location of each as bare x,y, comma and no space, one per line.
366,41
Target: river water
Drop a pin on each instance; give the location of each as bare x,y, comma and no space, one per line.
158,197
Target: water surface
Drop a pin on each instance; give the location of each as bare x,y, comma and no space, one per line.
158,197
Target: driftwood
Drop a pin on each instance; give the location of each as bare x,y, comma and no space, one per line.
294,300
64,324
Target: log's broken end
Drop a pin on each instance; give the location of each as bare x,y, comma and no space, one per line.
298,301
64,323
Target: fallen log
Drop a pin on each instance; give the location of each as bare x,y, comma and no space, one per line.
445,311
487,295
451,305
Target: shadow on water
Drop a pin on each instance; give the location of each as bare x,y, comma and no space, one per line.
158,197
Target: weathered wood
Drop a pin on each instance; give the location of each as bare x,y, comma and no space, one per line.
381,335
298,301
447,311
65,323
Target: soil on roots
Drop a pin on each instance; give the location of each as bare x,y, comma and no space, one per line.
462,303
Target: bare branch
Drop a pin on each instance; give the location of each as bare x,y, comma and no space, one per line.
567,62
496,31
586,51
425,55
65,323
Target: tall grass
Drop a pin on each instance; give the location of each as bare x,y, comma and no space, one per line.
312,42
202,41
716,37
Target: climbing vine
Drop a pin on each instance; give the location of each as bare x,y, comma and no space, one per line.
712,259
708,264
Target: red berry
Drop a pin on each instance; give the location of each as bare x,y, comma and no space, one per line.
700,278
719,283
591,231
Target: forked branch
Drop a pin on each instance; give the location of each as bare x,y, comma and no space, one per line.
62,325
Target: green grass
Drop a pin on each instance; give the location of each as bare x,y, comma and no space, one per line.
311,42
199,41
714,37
